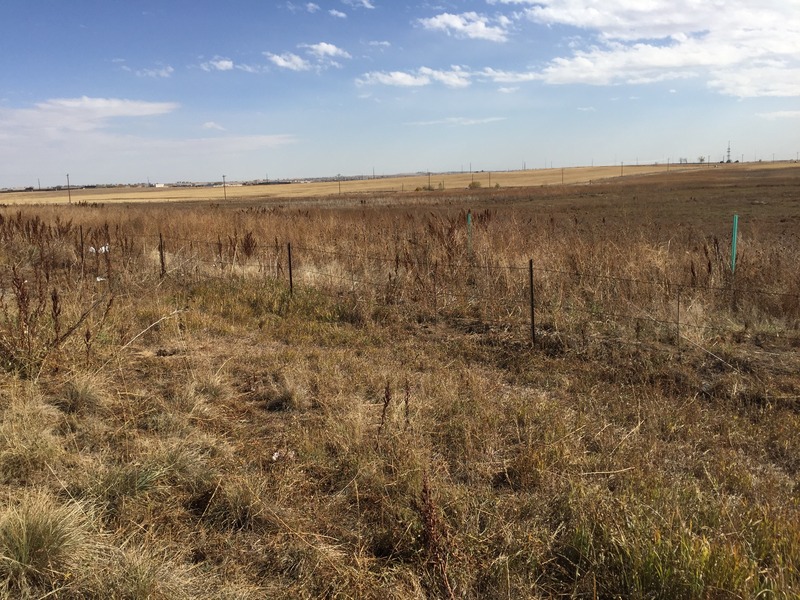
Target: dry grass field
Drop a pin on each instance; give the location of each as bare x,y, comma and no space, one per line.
177,422
381,185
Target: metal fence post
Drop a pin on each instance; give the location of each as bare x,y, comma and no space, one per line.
291,280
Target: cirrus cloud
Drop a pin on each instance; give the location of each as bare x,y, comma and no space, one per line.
86,113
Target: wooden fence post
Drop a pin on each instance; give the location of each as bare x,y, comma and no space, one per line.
533,313
678,321
83,255
435,291
733,261
291,280
161,254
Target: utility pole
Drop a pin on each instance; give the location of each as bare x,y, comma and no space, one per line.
69,192
224,189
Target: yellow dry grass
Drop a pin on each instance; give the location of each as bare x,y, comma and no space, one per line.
448,181
388,429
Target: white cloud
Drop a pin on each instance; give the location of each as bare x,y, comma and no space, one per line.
508,90
61,118
90,113
218,64
249,68
587,109
288,60
359,3
780,114
322,55
757,81
310,7
325,51
213,125
619,63
468,25
498,76
393,78
337,13
156,73
742,48
456,77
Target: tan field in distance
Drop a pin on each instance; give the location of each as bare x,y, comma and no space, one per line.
447,181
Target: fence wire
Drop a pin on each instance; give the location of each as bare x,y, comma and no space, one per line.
474,288
482,289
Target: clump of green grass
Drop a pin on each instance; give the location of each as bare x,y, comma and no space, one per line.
44,545
81,395
123,483
676,543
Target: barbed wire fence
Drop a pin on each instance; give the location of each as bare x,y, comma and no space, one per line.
524,301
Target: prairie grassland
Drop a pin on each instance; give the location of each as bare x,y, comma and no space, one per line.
382,185
177,424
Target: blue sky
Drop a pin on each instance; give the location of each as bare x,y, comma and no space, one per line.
130,90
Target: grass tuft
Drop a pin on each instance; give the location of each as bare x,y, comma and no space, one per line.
44,544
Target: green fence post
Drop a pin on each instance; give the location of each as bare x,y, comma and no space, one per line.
469,232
